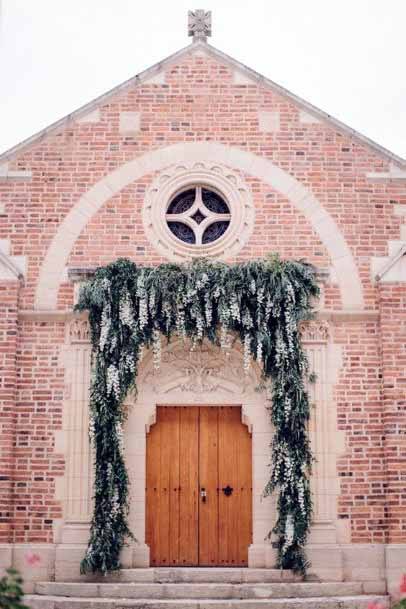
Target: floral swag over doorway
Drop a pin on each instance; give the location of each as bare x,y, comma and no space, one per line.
263,303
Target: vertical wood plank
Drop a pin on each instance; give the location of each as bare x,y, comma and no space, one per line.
208,467
172,448
164,481
189,486
228,463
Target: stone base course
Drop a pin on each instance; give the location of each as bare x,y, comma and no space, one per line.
200,590
341,602
377,567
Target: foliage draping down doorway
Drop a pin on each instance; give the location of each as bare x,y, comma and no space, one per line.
263,302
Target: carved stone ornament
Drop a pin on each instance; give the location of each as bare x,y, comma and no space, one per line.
79,331
201,372
218,178
199,24
315,331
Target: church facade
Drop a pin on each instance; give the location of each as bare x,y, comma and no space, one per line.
201,156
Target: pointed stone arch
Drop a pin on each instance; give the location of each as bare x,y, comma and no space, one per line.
87,206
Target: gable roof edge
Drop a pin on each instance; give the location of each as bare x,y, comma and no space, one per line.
145,75
138,79
305,105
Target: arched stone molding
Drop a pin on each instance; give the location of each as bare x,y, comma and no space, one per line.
323,224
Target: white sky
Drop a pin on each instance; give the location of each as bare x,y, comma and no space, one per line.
345,56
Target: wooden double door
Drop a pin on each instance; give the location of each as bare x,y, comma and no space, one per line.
199,487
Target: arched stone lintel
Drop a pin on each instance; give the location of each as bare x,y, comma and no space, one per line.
323,224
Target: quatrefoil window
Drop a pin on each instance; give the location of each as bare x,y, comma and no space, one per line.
198,216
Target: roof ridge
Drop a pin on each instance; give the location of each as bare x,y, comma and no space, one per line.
249,72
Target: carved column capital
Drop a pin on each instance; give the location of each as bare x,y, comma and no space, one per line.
315,331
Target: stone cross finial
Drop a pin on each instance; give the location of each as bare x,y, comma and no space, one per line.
199,24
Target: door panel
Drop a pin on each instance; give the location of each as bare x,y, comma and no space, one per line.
208,466
189,486
190,449
229,423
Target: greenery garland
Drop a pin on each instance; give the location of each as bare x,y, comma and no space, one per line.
262,302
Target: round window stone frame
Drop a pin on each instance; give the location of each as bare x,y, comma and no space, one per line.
214,176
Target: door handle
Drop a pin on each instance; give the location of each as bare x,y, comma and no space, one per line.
203,494
227,490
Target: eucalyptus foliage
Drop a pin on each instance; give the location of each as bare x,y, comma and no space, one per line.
262,302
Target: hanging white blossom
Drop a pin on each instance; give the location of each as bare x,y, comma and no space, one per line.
126,312
91,429
289,533
104,328
120,436
247,353
156,348
113,381
259,351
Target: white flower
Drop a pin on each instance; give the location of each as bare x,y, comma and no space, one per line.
115,506
287,407
301,496
120,436
166,308
260,296
199,326
156,348
128,362
151,302
234,308
247,353
143,304
113,344
280,348
208,309
289,533
247,320
143,313
259,351
113,381
126,312
105,324
180,322
91,429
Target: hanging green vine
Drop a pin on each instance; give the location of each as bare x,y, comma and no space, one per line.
263,302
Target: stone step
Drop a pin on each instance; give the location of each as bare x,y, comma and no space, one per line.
332,602
199,591
162,575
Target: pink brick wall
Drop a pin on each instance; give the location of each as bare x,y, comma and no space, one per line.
393,323
361,469
8,384
38,416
